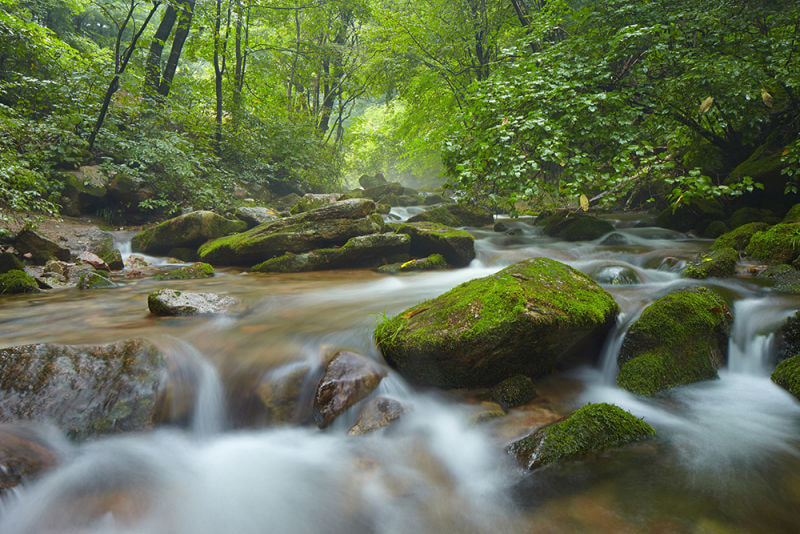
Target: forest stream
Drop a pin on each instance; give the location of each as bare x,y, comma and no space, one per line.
726,457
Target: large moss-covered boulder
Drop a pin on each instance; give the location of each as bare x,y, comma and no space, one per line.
95,280
169,302
527,319
455,215
85,390
679,339
777,244
16,281
787,375
327,226
578,227
739,237
255,215
591,429
39,248
749,215
195,270
361,251
189,230
457,246
717,263
311,201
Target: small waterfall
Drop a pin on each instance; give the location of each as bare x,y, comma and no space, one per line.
752,335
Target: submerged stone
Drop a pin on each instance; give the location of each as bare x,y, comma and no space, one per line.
593,428
169,302
679,339
377,413
189,230
784,278
348,378
527,319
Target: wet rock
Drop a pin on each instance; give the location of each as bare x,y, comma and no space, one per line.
487,411
455,215
748,215
615,239
718,263
366,181
190,230
84,390
787,375
286,202
500,227
348,378
283,395
327,226
361,251
95,280
616,275
434,262
92,259
513,391
427,238
377,413
593,428
255,215
38,248
784,279
715,229
312,201
16,281
789,338
10,262
114,260
196,270
527,319
578,227
182,254
24,455
738,238
169,302
137,262
777,244
679,339
435,198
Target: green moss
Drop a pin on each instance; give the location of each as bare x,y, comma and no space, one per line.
512,322
679,339
95,280
17,281
718,263
715,229
593,428
787,375
196,270
513,391
114,260
456,246
778,244
793,215
189,230
434,262
739,237
747,215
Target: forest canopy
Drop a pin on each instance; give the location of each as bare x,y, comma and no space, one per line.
513,104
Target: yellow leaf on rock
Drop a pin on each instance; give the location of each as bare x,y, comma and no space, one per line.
584,203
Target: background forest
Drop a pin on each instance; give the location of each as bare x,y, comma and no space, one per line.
516,104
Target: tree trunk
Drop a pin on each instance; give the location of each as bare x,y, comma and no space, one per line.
152,69
181,33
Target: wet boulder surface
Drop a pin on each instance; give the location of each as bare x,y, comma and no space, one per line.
170,302
348,378
680,338
454,215
428,238
85,390
189,230
529,318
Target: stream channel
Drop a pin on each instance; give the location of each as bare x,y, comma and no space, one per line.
726,458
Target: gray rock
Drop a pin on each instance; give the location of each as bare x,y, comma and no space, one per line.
169,302
348,378
376,413
255,215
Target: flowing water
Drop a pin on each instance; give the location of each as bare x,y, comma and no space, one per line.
727,456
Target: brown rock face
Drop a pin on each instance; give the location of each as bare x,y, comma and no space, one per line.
22,455
348,379
376,413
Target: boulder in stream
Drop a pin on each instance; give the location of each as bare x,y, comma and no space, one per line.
95,280
593,428
169,302
719,263
578,227
679,339
455,215
16,281
457,246
84,390
777,244
787,375
434,262
739,237
39,248
376,413
360,251
195,270
348,378
529,318
255,215
513,391
327,226
189,230
24,455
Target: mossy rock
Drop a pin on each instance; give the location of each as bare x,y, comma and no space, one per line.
717,263
10,262
17,281
777,244
693,214
114,260
189,230
95,280
40,248
327,226
169,302
579,227
784,278
789,337
749,215
513,391
739,238
361,251
366,181
255,215
311,201
454,215
793,215
787,375
434,262
591,429
715,229
427,238
527,319
679,339
196,270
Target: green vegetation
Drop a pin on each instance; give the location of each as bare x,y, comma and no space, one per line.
739,238
720,262
196,270
777,244
593,428
787,375
16,281
679,339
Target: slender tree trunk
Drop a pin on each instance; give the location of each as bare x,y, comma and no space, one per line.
181,33
220,49
152,68
294,61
